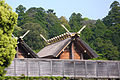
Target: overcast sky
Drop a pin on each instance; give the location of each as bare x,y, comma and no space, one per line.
93,9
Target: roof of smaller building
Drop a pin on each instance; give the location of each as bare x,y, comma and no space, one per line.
24,46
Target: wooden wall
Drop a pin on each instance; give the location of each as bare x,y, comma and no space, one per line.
76,55
20,55
67,54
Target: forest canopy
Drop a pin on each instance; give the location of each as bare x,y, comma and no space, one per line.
103,35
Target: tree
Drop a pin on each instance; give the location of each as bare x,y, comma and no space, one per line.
112,20
53,25
33,39
75,22
106,49
113,16
39,21
86,19
17,30
103,40
8,19
56,30
87,35
113,34
64,21
20,9
21,14
51,11
114,4
99,29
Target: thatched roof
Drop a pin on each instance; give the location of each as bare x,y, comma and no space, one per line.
54,49
90,52
60,43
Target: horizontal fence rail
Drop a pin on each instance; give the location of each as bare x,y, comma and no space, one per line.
64,68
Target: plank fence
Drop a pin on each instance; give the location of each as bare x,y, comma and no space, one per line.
64,68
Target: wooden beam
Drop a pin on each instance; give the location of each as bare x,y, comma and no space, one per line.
63,49
81,29
43,38
79,49
65,28
16,55
72,50
25,34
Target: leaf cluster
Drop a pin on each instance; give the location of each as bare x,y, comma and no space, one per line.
8,19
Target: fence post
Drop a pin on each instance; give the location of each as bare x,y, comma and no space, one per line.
74,69
107,70
27,66
119,68
15,67
86,69
96,69
63,67
39,66
51,67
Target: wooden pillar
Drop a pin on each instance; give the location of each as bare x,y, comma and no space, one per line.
72,50
81,56
16,56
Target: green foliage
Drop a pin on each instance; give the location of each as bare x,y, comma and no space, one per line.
8,20
99,29
98,38
75,22
64,21
39,22
34,36
17,30
112,21
113,16
106,49
101,35
21,12
86,19
51,11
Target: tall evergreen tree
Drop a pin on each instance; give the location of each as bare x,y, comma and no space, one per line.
99,29
113,16
75,21
20,10
106,49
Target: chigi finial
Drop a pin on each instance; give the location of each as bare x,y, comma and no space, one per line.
62,36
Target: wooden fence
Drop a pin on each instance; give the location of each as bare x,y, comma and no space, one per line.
65,68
